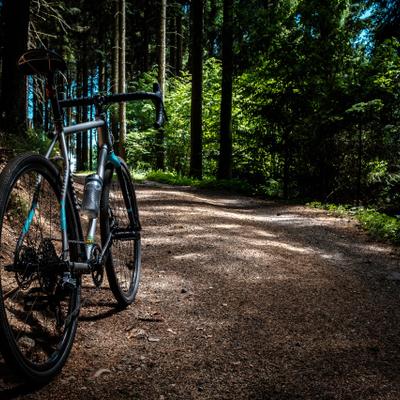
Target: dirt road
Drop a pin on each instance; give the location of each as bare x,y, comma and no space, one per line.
240,299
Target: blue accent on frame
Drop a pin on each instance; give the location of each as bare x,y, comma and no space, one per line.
63,218
114,159
29,219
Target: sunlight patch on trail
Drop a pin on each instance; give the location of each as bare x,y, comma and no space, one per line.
260,232
194,197
171,283
225,226
195,256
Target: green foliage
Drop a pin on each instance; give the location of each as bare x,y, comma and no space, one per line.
339,210
173,178
33,140
378,224
314,116
141,137
177,131
140,140
316,105
271,189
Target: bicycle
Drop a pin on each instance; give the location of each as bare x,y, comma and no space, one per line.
43,251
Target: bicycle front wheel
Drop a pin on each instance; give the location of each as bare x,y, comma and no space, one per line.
120,219
38,317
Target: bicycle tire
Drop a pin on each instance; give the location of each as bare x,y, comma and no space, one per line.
38,314
119,212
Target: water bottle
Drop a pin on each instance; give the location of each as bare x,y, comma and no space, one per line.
91,195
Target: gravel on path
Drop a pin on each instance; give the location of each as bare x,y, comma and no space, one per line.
240,299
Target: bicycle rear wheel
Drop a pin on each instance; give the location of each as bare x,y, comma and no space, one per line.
38,306
120,219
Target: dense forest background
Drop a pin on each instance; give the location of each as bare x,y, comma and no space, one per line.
294,98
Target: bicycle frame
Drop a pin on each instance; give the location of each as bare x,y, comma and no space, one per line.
105,154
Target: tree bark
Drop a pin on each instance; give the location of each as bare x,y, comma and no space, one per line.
145,36
196,128
211,28
13,91
172,42
85,77
286,163
162,45
79,164
115,71
359,164
121,80
161,80
37,105
179,43
225,152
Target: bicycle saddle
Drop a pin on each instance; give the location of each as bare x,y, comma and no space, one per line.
41,61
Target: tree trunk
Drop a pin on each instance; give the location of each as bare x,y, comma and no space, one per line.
359,164
13,91
121,80
179,43
196,128
162,45
286,163
85,77
161,80
37,105
115,71
46,119
79,166
225,151
145,37
172,43
100,80
211,27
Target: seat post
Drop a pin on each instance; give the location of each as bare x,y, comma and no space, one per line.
51,91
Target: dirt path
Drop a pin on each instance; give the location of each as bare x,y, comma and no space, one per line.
240,299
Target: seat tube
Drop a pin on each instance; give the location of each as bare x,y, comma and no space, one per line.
90,237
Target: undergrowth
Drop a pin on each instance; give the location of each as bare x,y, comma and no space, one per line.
379,225
171,178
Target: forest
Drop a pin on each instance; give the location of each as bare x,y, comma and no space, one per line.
294,99
282,115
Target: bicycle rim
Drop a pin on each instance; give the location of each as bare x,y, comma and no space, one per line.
123,261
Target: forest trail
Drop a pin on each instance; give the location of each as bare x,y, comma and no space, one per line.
240,299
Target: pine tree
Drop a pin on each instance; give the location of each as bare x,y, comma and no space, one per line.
225,153
196,129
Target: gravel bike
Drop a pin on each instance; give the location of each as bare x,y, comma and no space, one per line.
43,250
